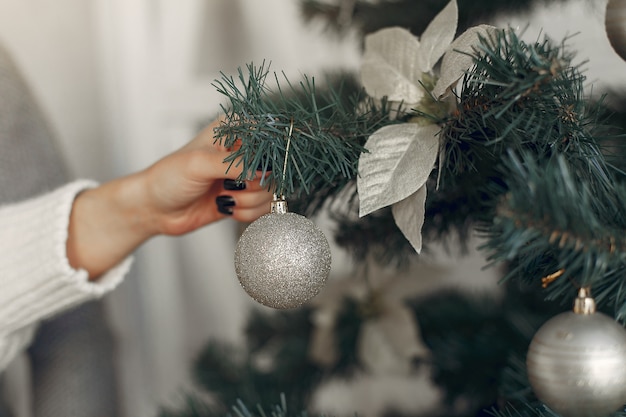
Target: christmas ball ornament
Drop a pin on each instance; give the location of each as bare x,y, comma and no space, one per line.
282,259
576,362
615,22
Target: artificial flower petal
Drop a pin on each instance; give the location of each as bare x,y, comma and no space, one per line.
459,58
399,161
438,36
409,217
391,65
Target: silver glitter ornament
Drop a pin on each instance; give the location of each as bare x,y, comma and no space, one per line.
282,259
615,23
576,362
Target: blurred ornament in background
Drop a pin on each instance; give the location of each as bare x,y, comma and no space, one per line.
615,21
576,361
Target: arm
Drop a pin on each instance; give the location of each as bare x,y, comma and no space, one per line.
36,280
72,245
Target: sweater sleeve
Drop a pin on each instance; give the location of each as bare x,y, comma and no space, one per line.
36,279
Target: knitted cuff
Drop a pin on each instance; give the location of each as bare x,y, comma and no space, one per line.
36,279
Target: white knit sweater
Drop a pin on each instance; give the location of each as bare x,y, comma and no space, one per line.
36,280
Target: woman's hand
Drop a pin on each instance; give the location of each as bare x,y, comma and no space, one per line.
178,194
190,188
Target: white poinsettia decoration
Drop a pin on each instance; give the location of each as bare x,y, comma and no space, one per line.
389,338
397,65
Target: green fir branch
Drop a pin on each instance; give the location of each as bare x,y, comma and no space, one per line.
328,130
525,99
278,410
522,411
552,213
530,411
518,96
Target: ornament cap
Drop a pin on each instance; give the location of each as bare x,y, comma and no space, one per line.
584,303
278,205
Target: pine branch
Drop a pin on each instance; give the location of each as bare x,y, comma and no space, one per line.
529,411
240,408
328,131
279,410
525,411
558,201
553,214
518,96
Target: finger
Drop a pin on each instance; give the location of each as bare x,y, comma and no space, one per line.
249,214
246,200
208,165
228,205
258,184
229,185
219,142
207,138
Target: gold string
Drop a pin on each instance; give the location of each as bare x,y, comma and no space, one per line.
282,188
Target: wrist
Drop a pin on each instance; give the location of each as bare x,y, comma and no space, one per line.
129,196
107,223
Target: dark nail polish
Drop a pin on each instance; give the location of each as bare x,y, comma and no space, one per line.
234,185
225,204
260,167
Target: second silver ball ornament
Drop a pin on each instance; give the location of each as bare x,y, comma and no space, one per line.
615,24
282,259
576,362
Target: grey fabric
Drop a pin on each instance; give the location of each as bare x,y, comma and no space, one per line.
72,355
4,411
29,160
72,366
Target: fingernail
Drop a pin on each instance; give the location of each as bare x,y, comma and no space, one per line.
260,167
225,204
234,185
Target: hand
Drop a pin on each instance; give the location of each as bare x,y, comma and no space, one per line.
191,188
176,195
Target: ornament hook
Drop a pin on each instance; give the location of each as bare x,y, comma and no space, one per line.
279,205
584,303
282,183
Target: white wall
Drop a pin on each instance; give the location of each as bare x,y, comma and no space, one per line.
53,42
581,22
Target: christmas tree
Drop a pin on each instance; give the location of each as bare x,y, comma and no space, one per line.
453,128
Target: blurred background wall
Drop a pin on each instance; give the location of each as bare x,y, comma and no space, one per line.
124,82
